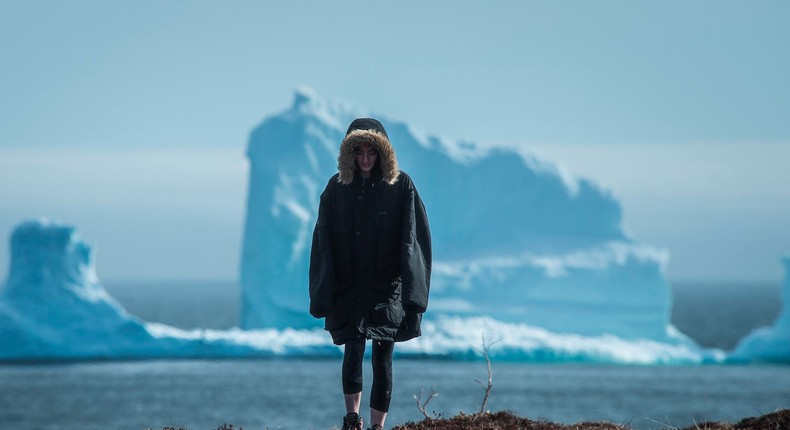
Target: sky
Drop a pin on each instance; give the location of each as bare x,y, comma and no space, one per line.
130,120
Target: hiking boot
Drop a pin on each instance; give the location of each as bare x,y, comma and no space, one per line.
352,421
376,427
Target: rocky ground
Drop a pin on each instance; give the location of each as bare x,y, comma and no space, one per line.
779,420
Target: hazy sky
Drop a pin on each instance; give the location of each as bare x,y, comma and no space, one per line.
130,119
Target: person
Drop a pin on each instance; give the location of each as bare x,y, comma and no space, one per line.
370,263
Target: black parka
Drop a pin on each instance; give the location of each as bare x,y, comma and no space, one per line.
370,260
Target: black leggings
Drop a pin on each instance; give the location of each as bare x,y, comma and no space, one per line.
381,360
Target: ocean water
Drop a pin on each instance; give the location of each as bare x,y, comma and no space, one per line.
718,314
305,394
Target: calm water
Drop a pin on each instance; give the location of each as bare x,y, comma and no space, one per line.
289,393
305,393
717,315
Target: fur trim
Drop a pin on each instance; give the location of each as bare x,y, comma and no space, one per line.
346,159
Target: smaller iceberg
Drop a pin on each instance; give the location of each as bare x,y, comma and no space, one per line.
53,304
769,344
53,307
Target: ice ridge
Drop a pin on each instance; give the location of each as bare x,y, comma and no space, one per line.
53,307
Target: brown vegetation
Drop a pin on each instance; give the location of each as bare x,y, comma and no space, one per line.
779,420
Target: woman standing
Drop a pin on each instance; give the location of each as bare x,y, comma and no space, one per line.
370,263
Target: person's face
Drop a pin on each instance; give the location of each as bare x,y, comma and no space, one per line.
366,158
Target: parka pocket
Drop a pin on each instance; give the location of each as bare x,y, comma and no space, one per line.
388,310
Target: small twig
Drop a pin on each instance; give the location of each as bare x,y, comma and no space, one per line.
490,385
418,399
662,424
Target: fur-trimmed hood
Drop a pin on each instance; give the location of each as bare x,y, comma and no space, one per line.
361,131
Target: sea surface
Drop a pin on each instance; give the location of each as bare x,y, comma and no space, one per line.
305,394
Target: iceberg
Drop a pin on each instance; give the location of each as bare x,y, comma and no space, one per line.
53,301
53,307
524,254
515,238
769,344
